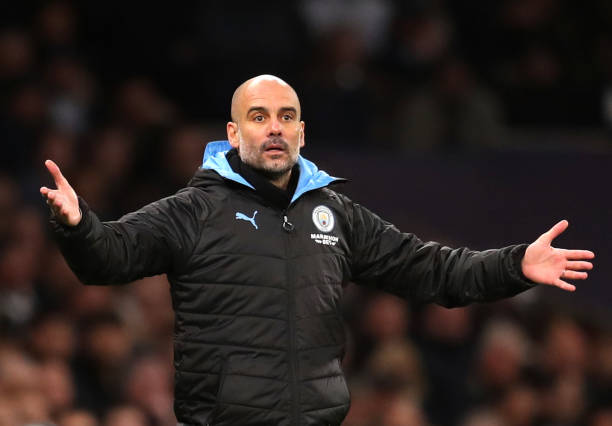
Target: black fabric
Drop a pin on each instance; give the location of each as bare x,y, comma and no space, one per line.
258,329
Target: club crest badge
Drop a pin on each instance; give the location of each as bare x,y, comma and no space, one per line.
323,218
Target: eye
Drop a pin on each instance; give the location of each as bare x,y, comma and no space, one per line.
258,118
287,117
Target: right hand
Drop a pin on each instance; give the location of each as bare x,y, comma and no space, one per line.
63,200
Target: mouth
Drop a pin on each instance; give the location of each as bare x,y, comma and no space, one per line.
275,148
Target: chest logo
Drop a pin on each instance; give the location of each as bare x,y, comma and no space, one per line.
242,216
323,218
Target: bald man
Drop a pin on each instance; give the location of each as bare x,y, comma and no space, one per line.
257,249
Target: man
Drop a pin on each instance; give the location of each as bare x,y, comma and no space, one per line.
257,249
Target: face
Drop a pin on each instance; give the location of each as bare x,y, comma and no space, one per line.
267,130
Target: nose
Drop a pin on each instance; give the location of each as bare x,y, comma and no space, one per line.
275,127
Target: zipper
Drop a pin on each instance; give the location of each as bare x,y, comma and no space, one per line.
288,227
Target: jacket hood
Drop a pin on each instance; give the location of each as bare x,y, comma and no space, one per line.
311,177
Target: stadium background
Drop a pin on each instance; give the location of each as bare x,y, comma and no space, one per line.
472,123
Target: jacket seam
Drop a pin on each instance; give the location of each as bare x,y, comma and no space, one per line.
198,342
322,377
325,408
252,406
231,284
231,315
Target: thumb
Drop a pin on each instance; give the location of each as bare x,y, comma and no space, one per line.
554,232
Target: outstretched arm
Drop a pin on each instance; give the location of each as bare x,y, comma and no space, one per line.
548,265
150,241
425,272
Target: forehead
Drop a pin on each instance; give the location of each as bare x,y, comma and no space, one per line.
269,94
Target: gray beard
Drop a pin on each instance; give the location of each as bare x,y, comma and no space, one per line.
270,174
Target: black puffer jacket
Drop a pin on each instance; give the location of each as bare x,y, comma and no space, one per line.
256,290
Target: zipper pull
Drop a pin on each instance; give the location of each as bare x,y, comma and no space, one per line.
287,226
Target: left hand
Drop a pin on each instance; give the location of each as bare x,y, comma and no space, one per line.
545,264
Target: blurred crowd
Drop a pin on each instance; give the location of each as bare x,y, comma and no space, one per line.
124,95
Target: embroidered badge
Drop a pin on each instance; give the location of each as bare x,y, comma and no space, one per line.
323,218
242,216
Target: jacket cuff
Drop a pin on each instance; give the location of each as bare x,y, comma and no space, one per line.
81,229
516,270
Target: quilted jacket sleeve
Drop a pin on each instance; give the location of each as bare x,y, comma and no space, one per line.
150,241
423,272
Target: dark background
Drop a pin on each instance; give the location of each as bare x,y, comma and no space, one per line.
473,123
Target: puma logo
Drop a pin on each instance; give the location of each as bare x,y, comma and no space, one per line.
242,216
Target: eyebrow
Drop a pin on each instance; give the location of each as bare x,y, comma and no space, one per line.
265,110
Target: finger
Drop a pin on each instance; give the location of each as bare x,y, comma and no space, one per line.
563,285
554,232
578,265
56,173
55,199
577,254
44,191
574,275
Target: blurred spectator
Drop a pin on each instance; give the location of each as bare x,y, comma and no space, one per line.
60,145
55,282
148,312
365,408
445,339
385,319
453,113
565,401
403,409
600,365
72,92
56,28
422,37
9,200
183,151
57,386
125,416
149,387
52,338
395,367
503,353
339,74
483,417
368,19
602,417
127,114
519,406
101,365
565,349
139,105
16,56
18,269
77,418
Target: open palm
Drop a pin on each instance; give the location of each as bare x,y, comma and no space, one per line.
545,264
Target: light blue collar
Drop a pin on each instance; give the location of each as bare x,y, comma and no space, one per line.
311,177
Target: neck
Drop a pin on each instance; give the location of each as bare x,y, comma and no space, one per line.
281,182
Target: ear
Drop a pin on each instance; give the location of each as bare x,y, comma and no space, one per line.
302,135
232,134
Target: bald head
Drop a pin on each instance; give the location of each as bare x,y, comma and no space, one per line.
252,88
266,129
